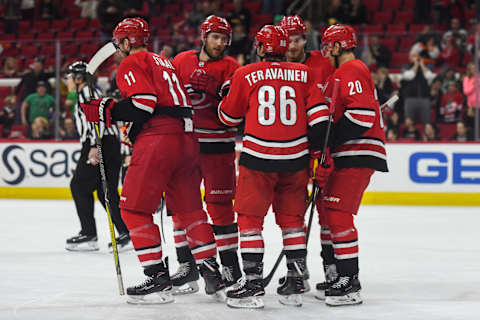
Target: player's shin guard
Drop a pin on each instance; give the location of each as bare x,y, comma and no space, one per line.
226,238
185,278
145,237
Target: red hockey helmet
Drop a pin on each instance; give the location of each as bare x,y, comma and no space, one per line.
135,29
293,25
341,33
215,24
274,40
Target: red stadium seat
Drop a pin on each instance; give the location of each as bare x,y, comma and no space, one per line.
406,43
46,36
396,29
404,17
372,5
158,22
171,9
7,37
416,28
24,27
174,19
384,17
74,12
94,24
262,19
400,59
254,7
227,7
18,131
29,51
390,43
65,35
48,51
2,27
79,24
88,50
470,15
51,62
85,35
409,5
59,25
5,91
69,50
187,7
374,29
41,25
26,37
392,5
163,34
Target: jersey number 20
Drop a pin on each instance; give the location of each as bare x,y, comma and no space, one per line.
287,106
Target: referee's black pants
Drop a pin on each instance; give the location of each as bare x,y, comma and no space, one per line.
87,178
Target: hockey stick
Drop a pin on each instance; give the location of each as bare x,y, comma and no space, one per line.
316,189
389,103
100,56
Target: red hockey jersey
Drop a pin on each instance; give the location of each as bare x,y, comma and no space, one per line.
151,83
203,80
321,67
273,97
358,134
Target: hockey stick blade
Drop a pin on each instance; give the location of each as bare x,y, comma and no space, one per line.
100,56
389,103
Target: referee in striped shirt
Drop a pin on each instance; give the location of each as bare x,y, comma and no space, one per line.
86,178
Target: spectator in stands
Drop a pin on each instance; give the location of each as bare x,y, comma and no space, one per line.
134,8
28,83
10,68
378,54
451,106
68,132
436,96
430,132
39,104
7,115
334,12
239,15
410,131
392,134
48,9
450,55
215,8
241,44
416,90
313,36
446,76
11,14
28,9
89,8
272,7
384,85
463,132
428,50
356,12
393,121
456,33
469,92
109,13
471,38
168,51
39,129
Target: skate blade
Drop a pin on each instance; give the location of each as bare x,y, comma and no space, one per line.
348,299
220,295
86,246
153,298
187,288
246,303
294,300
320,295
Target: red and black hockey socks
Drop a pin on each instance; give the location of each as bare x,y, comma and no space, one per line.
345,242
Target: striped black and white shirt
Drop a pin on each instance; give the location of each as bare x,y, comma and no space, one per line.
86,130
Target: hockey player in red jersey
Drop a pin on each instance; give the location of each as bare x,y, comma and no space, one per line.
206,75
272,96
322,70
357,148
164,159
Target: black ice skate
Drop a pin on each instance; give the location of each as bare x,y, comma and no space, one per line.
331,276
345,291
156,289
82,242
231,275
247,295
123,243
249,290
292,289
306,277
214,284
185,279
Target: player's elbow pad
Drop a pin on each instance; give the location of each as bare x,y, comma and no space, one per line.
124,110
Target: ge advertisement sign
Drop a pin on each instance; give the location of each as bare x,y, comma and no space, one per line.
430,168
38,164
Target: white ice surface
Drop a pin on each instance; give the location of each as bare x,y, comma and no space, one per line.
416,263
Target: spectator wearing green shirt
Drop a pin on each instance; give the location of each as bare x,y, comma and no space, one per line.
39,104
